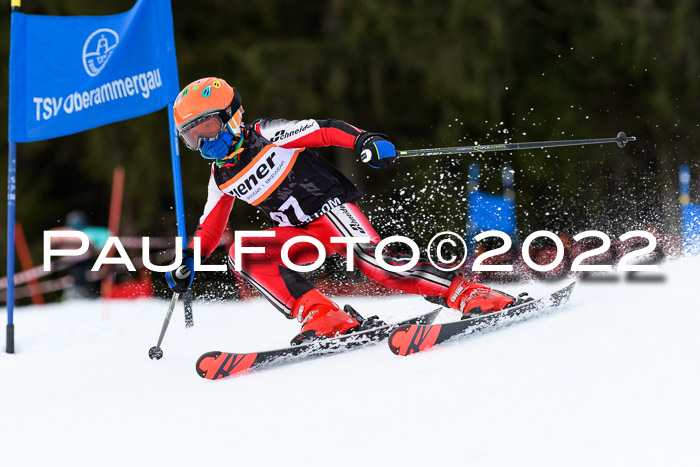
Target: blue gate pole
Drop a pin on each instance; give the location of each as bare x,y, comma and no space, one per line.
15,5
508,178
11,193
684,199
177,177
472,189
684,181
179,202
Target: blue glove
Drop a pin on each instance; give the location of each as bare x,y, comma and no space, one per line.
375,150
219,148
181,278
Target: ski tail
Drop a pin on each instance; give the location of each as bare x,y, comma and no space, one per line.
406,340
217,365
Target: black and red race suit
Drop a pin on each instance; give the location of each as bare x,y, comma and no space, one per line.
302,194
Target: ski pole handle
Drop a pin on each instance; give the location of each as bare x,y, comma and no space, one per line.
621,139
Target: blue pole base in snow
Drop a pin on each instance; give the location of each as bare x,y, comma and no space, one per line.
10,342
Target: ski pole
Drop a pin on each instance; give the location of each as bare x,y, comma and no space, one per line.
621,139
156,353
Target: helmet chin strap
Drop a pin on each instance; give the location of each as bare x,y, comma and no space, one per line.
234,126
237,149
236,122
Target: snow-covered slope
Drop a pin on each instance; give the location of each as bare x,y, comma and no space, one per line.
612,379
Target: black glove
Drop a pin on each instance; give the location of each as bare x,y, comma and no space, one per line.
181,278
375,149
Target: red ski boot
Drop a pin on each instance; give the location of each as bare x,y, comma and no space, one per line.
471,298
320,317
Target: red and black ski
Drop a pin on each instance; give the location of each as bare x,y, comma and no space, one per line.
409,339
217,365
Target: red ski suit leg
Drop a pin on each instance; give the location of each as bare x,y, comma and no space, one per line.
282,286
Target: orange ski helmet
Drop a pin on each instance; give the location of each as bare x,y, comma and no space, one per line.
204,109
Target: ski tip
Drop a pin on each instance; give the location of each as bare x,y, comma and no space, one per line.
396,338
406,340
206,364
568,289
217,365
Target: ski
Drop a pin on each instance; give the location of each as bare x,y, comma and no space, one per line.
217,365
408,339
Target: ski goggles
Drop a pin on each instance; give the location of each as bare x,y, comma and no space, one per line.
209,125
205,127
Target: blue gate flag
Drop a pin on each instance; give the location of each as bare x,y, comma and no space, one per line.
690,228
690,215
72,73
490,212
